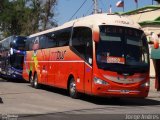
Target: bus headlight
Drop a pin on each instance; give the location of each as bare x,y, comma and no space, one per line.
99,81
146,84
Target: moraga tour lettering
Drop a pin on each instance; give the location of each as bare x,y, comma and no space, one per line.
58,55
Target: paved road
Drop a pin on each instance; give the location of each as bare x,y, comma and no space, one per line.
47,103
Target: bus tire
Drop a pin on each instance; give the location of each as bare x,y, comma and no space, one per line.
72,89
31,80
35,82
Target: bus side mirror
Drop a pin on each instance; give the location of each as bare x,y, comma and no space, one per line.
90,60
95,34
155,40
156,44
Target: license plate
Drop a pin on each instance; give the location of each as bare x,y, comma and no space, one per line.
124,91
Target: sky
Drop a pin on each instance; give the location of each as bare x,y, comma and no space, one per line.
66,8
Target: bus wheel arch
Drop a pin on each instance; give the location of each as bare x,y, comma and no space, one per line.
71,86
30,74
69,78
31,78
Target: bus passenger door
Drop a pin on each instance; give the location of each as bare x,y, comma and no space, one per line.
82,43
88,78
88,61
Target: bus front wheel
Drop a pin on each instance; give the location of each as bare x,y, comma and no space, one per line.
72,89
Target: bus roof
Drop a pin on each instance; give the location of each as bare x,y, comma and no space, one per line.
95,20
10,37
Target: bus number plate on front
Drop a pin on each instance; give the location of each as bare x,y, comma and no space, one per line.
124,91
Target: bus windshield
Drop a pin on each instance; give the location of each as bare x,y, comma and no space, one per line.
18,43
122,49
16,60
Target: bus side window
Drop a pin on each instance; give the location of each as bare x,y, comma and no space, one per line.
50,39
27,45
77,41
31,43
42,42
89,46
64,37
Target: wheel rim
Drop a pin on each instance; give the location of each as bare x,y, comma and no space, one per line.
35,81
72,88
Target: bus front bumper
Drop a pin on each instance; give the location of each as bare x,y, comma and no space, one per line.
107,91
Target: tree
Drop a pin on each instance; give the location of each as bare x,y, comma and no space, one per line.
48,14
13,17
24,17
43,13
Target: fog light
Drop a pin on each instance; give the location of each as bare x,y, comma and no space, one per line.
146,84
99,81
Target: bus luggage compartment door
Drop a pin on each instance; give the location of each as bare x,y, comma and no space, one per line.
88,79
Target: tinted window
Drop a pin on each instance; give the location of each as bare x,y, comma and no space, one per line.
18,43
34,43
51,40
42,42
63,37
58,38
27,44
82,41
16,60
31,42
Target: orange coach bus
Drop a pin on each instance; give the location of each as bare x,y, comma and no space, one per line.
102,54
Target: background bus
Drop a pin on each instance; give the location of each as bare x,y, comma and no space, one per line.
12,57
101,54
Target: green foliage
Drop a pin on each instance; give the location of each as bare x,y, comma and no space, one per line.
24,17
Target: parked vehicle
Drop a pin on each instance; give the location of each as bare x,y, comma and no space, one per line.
12,50
102,54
